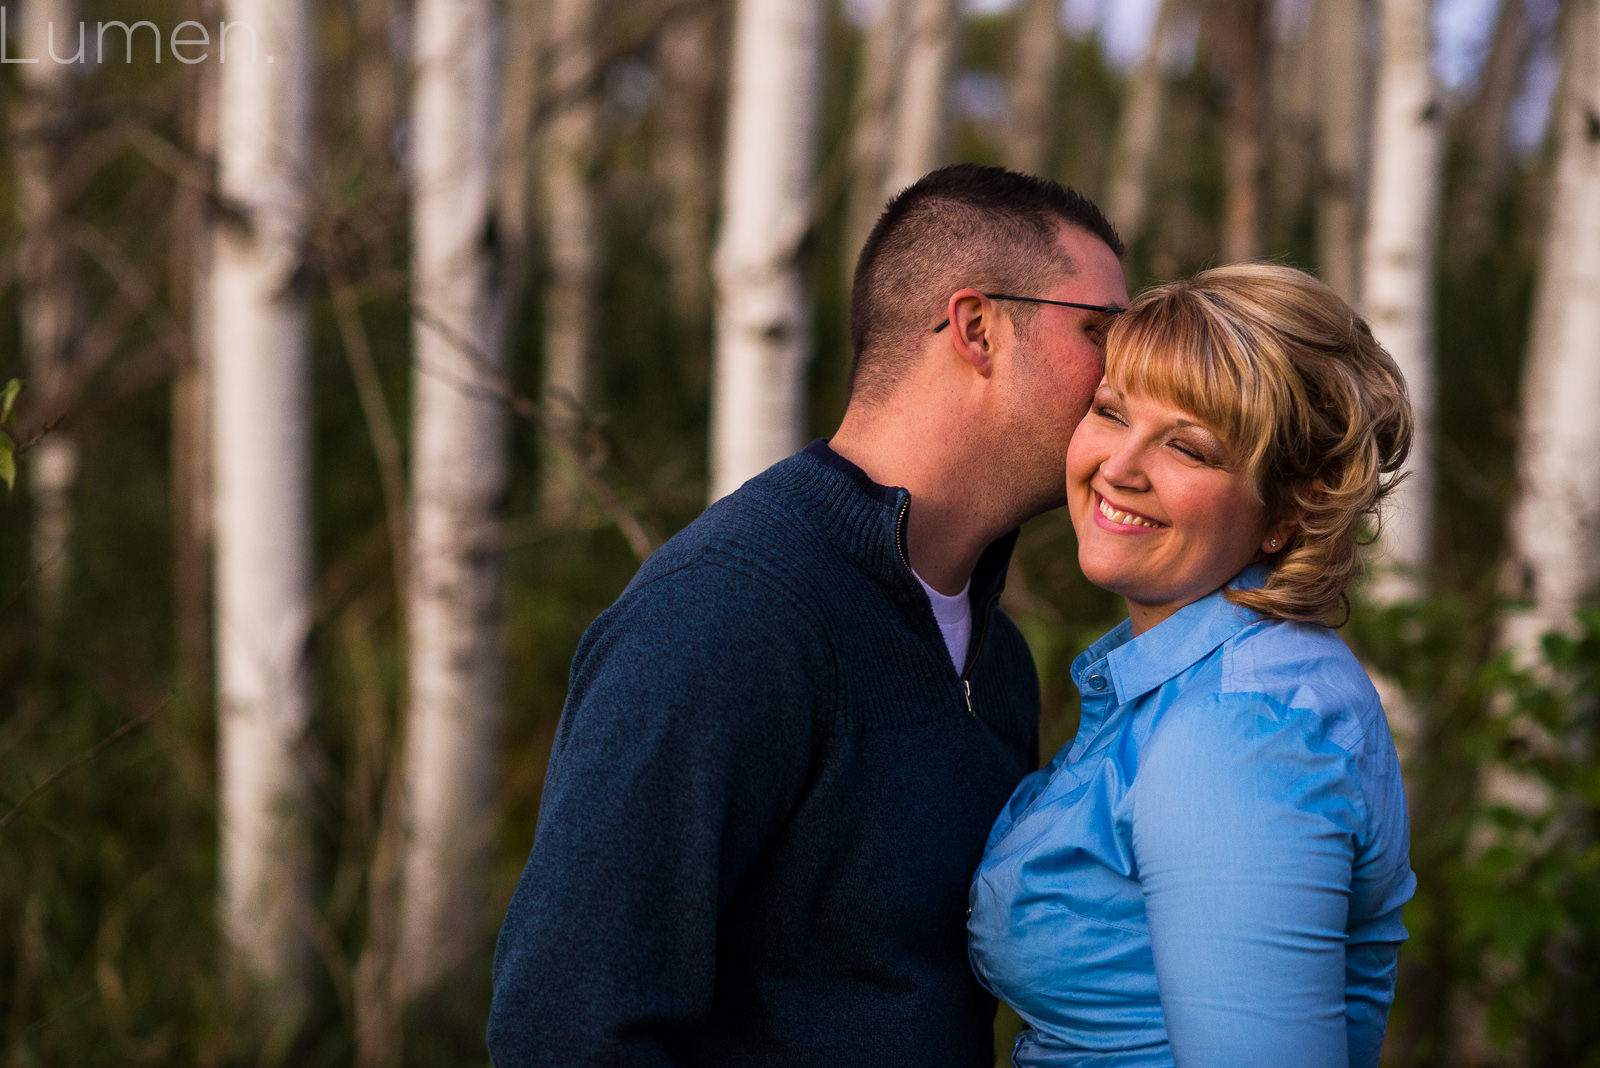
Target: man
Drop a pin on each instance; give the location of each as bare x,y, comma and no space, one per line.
784,745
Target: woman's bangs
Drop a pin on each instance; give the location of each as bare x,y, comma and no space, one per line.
1176,359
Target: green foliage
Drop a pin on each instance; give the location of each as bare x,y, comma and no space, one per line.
1507,912
8,445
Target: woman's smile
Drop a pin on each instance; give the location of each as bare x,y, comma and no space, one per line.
1162,511
1117,518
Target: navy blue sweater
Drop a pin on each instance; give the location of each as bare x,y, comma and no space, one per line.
768,793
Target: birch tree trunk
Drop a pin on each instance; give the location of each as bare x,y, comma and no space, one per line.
459,474
1139,129
1246,43
685,163
263,522
1486,138
47,273
1397,271
881,75
1036,50
573,240
379,81
1292,145
1555,522
193,510
763,328
1343,90
922,114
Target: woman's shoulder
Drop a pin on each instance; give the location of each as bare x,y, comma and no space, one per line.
1303,670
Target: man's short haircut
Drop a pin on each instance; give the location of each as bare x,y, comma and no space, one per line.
964,225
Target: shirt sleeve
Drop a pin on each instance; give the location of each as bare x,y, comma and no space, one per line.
684,744
1243,824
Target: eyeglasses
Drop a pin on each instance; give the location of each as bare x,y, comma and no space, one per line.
1102,308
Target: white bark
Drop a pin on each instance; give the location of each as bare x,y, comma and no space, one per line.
574,240
50,294
882,63
1245,47
193,508
685,165
763,329
921,118
378,78
1343,80
1030,82
1555,523
1397,272
1293,88
459,473
263,521
1139,130
1485,135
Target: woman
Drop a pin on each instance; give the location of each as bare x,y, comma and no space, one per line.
1211,875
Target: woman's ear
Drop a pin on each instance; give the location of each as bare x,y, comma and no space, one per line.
1278,534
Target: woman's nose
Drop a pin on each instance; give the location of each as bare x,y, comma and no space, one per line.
1125,467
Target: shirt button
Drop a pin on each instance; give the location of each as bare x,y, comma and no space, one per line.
1097,682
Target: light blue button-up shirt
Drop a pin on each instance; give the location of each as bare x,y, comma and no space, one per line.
1211,875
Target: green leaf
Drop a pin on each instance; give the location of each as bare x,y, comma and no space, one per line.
8,461
8,397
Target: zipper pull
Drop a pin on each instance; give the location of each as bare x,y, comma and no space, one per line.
966,686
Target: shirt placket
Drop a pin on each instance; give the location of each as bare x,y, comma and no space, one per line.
1094,683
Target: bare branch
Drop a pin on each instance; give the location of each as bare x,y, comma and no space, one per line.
82,758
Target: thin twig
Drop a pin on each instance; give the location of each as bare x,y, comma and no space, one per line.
492,382
380,427
81,759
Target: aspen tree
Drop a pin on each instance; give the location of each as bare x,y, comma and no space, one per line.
763,329
1139,128
1343,75
1398,267
1036,50
50,305
573,241
459,473
261,412
921,116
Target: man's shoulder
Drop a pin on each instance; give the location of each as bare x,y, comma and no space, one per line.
741,532
752,560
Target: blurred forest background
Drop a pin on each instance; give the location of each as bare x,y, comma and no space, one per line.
368,345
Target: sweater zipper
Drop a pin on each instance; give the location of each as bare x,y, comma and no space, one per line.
977,651
983,630
900,534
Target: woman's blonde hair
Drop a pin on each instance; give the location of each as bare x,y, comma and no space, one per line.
1294,381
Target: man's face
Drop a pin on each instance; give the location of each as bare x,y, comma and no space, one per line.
1058,363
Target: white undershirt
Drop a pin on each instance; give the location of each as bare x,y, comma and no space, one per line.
954,613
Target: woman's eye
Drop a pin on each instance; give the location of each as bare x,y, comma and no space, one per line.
1109,413
1188,450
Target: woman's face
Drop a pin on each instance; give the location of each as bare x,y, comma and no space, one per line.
1162,512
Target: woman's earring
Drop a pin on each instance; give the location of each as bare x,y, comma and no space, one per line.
1273,544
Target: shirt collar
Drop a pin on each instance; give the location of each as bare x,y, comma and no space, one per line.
1140,664
863,517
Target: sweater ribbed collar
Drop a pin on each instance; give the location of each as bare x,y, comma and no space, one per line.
863,519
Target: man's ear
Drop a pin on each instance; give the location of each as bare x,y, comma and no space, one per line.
972,329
